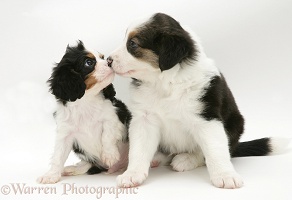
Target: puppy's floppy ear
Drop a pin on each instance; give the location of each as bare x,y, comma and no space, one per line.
66,84
173,47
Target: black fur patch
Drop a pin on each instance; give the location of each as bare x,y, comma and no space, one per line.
259,147
109,92
123,112
96,170
77,149
166,38
121,108
67,79
219,104
83,155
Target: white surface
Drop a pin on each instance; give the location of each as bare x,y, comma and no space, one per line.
249,40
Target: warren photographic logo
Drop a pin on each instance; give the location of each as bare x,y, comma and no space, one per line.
66,189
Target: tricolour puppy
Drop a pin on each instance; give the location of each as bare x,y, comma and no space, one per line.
90,120
181,105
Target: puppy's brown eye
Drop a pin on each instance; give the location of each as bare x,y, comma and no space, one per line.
89,63
133,44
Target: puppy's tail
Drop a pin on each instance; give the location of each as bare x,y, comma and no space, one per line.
261,147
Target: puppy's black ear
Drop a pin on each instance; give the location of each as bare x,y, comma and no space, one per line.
174,46
78,48
66,84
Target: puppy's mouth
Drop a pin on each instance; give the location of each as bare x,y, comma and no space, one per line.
128,73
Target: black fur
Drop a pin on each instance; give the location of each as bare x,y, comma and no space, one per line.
79,151
83,155
167,39
172,43
109,92
219,104
121,109
259,147
67,79
95,170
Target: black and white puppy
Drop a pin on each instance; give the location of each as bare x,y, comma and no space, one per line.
90,120
180,104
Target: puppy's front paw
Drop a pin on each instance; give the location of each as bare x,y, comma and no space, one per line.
229,180
110,157
131,179
49,178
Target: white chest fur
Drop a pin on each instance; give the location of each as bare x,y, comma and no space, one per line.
83,122
177,108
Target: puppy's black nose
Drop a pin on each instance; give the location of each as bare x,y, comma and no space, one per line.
109,61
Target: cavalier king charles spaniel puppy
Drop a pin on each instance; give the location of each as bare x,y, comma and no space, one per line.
90,120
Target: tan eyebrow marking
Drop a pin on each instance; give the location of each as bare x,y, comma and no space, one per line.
132,34
90,55
101,55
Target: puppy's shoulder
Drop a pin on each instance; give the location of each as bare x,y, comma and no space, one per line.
120,107
109,92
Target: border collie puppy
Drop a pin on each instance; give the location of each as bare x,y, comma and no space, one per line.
180,105
90,120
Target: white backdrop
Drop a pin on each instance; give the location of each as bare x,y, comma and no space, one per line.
249,40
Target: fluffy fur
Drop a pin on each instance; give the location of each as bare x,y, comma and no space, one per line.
90,120
181,105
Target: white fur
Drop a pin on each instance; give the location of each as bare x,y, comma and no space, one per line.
166,112
91,121
186,161
279,145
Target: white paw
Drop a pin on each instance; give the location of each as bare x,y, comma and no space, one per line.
185,162
230,180
49,178
111,157
131,179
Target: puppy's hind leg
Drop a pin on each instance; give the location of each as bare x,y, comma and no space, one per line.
160,159
80,168
187,161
